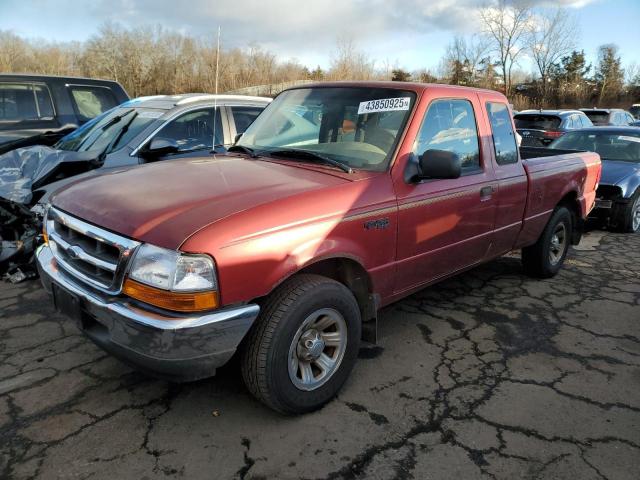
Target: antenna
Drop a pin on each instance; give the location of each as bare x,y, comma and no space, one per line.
215,100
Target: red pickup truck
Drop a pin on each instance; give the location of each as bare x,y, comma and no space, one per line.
338,200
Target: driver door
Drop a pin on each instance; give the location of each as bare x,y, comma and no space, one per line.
193,132
445,225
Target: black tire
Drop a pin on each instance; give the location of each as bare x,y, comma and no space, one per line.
265,352
537,258
625,222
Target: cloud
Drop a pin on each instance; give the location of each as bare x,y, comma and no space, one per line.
304,29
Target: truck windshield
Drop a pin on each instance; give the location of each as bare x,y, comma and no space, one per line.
610,146
98,133
356,126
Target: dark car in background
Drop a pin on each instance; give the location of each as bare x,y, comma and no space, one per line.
618,193
635,111
143,130
609,117
538,128
39,110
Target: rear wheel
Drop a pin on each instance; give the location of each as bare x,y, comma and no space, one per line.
545,258
629,221
303,346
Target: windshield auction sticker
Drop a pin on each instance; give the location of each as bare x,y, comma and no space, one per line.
384,105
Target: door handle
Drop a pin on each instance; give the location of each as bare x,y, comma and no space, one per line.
486,192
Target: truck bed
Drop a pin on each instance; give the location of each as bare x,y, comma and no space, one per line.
555,176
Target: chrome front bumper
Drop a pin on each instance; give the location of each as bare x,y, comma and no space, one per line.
173,346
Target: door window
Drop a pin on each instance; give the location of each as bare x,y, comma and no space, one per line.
194,130
89,102
451,125
23,102
244,116
504,141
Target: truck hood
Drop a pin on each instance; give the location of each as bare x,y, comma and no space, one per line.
167,202
614,172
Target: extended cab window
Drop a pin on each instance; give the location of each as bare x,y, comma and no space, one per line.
24,102
451,125
194,130
89,102
504,141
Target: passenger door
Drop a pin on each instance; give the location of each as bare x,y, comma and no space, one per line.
445,225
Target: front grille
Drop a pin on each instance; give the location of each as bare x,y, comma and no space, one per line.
608,192
89,253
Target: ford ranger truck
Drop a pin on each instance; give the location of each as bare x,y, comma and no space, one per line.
339,199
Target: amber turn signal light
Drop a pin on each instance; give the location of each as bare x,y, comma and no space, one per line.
175,301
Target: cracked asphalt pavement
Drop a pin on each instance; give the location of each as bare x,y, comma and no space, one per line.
487,375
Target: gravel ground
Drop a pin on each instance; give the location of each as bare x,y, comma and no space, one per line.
488,375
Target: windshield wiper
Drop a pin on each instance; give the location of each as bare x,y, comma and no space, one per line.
117,138
307,154
243,149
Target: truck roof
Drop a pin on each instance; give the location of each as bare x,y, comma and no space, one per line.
414,86
42,77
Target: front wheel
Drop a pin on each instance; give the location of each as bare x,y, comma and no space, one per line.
629,221
545,258
303,346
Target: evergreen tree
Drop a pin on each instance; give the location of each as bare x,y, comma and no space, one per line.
609,73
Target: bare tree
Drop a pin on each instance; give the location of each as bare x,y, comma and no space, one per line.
552,36
463,59
350,63
506,25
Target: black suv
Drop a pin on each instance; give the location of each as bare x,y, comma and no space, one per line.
538,128
37,109
609,117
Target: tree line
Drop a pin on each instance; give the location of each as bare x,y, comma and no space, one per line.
149,61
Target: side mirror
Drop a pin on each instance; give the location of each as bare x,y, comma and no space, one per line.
440,164
161,146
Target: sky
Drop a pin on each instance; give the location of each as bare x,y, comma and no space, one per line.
411,34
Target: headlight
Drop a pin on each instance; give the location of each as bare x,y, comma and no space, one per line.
172,280
171,270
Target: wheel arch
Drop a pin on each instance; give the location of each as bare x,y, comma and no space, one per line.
572,203
352,274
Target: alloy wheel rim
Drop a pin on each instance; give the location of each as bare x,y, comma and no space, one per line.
635,215
317,349
558,244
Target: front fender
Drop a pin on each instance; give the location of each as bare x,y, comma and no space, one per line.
252,266
629,185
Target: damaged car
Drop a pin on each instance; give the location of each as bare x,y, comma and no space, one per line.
20,233
618,193
144,130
